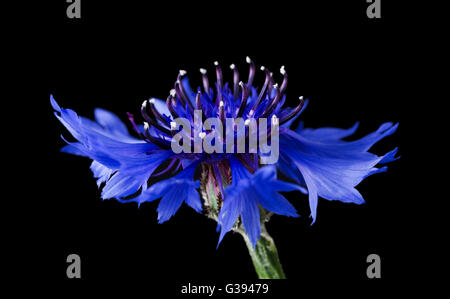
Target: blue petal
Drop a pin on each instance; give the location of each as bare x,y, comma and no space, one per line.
182,188
120,185
79,149
193,198
246,192
144,164
107,142
267,186
110,122
289,122
229,213
74,149
54,104
169,204
250,218
368,141
173,192
376,170
389,157
132,174
101,172
327,134
330,167
161,107
287,167
189,92
93,138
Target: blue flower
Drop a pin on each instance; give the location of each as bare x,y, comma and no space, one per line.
145,168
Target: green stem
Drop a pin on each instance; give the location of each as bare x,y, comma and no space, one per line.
264,256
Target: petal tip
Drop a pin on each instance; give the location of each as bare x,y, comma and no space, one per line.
54,104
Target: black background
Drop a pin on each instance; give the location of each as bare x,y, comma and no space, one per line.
120,53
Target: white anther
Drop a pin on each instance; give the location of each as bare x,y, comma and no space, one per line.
216,63
202,135
173,92
248,59
232,66
262,68
247,122
221,104
301,98
250,113
275,85
144,104
241,83
173,125
152,101
146,126
203,71
274,120
282,70
183,72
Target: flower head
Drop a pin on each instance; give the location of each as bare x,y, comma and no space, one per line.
237,187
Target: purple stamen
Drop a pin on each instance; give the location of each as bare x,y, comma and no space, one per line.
205,81
219,75
245,94
274,102
182,96
293,112
285,80
222,111
219,82
198,104
252,71
159,142
169,103
263,89
198,101
270,85
156,114
133,123
151,121
174,160
235,81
